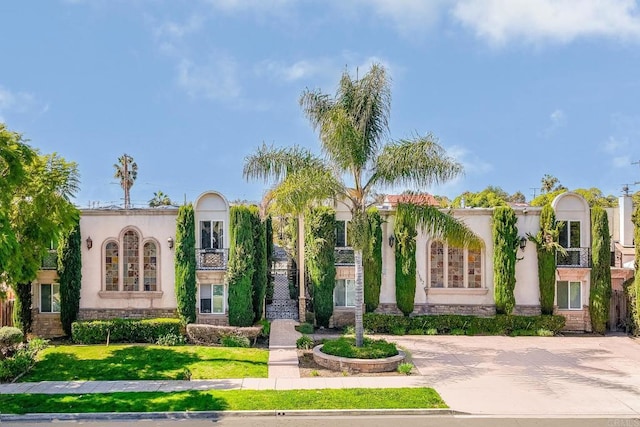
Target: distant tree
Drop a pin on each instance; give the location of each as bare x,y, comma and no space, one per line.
185,264
517,197
550,183
505,246
600,292
70,277
443,201
160,199
488,198
593,196
127,173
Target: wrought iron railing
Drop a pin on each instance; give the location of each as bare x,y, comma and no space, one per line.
574,257
212,259
344,256
50,260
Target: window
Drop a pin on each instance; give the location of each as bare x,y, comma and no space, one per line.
212,299
343,239
129,261
569,236
344,293
50,298
111,267
211,235
569,295
451,267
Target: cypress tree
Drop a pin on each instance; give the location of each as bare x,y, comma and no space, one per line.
546,244
269,234
405,232
600,292
505,245
260,262
70,277
320,242
634,289
372,261
241,267
22,307
185,264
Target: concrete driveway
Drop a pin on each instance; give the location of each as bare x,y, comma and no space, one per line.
581,375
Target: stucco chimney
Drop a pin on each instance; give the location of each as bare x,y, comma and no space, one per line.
625,206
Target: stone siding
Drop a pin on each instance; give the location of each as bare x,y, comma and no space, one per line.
342,317
46,325
213,319
577,320
527,310
125,313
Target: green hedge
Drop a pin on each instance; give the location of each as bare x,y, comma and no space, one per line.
405,252
505,245
320,241
372,261
469,325
125,330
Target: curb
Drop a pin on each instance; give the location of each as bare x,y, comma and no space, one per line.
102,416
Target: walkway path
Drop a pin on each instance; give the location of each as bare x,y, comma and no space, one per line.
283,355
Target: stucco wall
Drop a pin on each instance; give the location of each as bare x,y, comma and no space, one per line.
105,225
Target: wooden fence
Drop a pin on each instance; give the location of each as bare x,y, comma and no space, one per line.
6,313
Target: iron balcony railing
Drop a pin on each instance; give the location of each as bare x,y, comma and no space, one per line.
50,260
574,257
344,256
212,259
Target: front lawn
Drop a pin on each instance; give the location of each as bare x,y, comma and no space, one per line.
146,362
230,400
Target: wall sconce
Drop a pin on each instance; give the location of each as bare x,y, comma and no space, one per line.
392,240
522,243
170,242
89,243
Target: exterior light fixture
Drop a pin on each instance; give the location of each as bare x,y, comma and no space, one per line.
170,242
392,240
89,243
522,243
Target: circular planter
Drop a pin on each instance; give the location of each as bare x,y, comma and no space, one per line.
337,363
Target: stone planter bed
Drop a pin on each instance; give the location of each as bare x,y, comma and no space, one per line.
342,364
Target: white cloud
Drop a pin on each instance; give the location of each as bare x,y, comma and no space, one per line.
472,164
409,17
614,145
558,118
298,70
503,21
621,161
217,80
178,30
271,6
19,102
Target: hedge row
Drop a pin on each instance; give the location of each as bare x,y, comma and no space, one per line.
124,330
469,325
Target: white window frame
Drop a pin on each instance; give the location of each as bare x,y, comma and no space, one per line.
352,282
445,266
569,307
211,221
52,293
224,298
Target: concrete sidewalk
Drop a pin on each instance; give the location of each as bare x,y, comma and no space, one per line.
283,354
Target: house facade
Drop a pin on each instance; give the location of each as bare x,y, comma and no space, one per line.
128,268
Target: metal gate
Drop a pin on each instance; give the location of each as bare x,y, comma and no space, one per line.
619,312
282,305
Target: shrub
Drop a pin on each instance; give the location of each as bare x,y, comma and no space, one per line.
124,330
371,349
22,360
405,368
235,341
505,244
305,328
545,333
398,330
9,337
266,328
304,342
171,340
212,334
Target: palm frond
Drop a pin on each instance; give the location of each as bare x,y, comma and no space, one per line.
440,225
419,161
303,187
271,163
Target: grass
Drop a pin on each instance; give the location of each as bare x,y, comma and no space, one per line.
146,362
229,400
371,349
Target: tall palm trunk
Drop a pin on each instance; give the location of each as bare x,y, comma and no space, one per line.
357,255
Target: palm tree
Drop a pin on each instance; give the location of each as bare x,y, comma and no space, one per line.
160,199
352,126
127,172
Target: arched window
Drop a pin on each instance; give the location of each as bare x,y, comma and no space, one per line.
130,262
111,275
150,266
462,269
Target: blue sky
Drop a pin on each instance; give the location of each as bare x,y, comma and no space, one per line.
513,89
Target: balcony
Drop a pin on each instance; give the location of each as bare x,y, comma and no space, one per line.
575,257
50,260
344,256
212,259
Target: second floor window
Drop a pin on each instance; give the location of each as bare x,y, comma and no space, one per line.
451,267
211,235
130,264
343,239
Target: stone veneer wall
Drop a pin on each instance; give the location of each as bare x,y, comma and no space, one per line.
421,309
125,313
213,319
527,310
46,325
577,320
